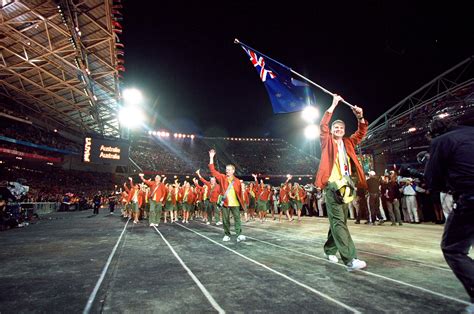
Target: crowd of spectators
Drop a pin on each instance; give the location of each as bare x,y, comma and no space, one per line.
34,134
184,156
398,200
55,184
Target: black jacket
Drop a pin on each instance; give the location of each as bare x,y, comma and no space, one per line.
451,163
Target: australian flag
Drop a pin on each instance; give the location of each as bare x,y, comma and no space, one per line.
286,93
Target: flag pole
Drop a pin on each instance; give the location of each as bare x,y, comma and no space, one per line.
236,41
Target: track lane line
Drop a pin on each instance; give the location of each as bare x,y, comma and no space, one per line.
364,271
203,289
345,306
93,295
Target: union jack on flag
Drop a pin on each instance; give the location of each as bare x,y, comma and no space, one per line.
259,63
286,93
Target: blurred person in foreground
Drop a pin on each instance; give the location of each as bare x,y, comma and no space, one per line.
451,167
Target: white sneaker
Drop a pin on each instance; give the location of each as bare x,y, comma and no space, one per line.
332,258
208,223
356,264
226,238
469,309
218,223
241,238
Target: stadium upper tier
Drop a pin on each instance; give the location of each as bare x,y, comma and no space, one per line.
185,156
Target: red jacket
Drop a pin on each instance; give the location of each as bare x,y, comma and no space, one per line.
284,194
263,193
199,193
213,192
173,196
157,191
190,196
222,179
301,194
131,193
246,198
329,152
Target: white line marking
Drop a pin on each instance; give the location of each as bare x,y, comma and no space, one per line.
196,280
362,251
102,275
364,271
278,273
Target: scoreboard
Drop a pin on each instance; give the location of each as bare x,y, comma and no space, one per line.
104,151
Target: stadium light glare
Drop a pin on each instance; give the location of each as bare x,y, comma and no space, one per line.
192,136
131,116
311,131
310,114
176,135
132,96
443,115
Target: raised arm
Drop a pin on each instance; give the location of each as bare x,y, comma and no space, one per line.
219,176
324,123
362,126
255,177
147,182
198,172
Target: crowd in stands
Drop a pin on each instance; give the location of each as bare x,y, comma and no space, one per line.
29,150
36,135
54,184
184,156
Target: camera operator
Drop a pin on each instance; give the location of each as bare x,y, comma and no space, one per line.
451,167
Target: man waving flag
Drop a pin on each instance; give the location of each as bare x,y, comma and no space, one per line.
286,94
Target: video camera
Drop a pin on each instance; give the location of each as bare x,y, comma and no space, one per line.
411,172
18,191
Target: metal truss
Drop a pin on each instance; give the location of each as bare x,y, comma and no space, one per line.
58,61
404,126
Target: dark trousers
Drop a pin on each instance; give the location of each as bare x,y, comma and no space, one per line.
96,208
112,207
374,203
457,240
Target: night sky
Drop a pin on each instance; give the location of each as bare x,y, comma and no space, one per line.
373,53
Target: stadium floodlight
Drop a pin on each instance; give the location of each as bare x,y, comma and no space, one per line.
311,131
443,115
132,96
131,116
192,136
310,114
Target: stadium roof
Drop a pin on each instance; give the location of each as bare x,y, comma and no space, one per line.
58,63
403,127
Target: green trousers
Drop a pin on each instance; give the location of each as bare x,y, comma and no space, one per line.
226,219
339,238
155,212
213,208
